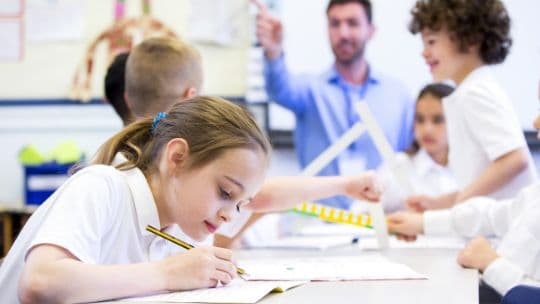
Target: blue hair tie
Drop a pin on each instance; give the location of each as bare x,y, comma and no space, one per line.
158,117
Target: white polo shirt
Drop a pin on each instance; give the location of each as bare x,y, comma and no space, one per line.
514,221
424,175
99,215
483,126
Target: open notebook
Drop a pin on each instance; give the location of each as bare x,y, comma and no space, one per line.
238,291
336,268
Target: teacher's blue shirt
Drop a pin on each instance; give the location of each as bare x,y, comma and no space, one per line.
324,109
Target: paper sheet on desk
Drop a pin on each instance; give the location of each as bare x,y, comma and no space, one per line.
238,291
306,242
331,229
427,242
342,268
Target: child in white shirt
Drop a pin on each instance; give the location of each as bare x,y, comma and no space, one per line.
488,154
515,221
187,172
425,163
516,260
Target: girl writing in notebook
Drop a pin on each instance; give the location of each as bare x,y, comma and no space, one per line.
425,163
190,169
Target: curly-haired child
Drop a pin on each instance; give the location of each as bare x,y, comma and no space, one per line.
488,154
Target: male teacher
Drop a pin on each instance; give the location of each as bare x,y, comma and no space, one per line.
324,104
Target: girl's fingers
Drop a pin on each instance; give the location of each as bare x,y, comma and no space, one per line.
223,277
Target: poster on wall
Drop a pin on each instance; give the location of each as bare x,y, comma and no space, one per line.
53,21
216,22
11,8
11,37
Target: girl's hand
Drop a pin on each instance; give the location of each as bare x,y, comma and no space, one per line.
363,186
198,268
407,225
477,254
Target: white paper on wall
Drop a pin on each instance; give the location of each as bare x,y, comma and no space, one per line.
216,21
11,8
51,21
11,39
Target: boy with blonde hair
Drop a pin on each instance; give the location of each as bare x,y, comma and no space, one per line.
159,72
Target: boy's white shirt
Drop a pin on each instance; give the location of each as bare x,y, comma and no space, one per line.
482,126
100,216
424,175
515,221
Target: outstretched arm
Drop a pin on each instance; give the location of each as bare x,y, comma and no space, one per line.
281,193
477,216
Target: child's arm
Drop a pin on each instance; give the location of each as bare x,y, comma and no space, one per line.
477,254
282,193
53,275
497,174
499,272
477,216
406,225
519,247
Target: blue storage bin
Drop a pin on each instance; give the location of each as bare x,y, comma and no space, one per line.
42,180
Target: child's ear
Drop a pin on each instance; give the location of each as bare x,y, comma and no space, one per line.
177,152
128,104
190,92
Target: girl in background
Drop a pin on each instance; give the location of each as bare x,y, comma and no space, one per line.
425,163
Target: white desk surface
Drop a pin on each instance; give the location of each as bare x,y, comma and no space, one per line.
447,283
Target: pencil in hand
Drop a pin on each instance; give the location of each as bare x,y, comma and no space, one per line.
180,243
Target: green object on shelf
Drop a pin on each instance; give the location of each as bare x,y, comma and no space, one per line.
66,152
30,156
